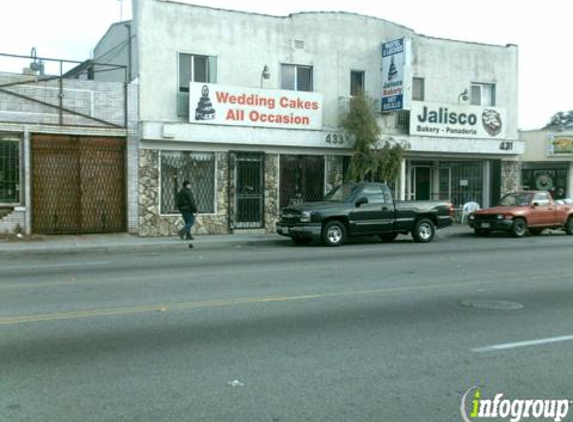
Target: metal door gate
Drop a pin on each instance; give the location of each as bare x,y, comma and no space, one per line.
246,190
302,179
78,185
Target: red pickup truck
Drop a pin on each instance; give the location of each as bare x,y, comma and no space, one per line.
521,211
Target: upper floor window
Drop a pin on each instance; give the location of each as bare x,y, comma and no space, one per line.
483,94
418,89
356,83
296,77
194,68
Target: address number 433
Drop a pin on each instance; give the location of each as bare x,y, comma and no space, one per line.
336,139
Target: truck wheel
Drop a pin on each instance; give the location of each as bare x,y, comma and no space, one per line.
388,237
333,233
424,231
569,226
519,227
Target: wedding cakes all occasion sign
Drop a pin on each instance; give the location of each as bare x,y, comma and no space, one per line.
457,121
241,106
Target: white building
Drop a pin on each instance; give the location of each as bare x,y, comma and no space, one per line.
248,108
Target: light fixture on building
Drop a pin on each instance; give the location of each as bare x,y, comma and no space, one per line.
265,74
37,65
463,96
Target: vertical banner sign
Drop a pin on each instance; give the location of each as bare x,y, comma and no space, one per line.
396,80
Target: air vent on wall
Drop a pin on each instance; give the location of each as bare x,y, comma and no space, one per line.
298,44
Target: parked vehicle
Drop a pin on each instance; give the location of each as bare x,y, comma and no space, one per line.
361,209
522,211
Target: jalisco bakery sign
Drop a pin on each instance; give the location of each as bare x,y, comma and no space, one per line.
396,75
457,121
242,106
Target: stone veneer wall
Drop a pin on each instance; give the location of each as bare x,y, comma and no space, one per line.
334,174
152,223
272,184
12,220
510,176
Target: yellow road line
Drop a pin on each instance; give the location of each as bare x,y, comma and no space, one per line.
75,282
13,320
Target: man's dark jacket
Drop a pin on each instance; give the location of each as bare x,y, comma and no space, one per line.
186,201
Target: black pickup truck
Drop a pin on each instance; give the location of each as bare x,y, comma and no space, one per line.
362,209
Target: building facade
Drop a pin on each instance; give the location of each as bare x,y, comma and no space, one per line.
64,146
547,163
249,107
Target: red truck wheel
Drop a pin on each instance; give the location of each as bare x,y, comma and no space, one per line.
569,226
519,227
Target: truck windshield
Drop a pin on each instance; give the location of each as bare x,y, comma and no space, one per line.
516,199
341,193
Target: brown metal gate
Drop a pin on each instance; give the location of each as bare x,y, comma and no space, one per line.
78,185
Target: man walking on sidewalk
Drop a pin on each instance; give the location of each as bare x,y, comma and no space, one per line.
188,208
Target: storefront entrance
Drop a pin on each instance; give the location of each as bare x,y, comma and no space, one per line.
246,190
78,185
458,182
422,182
302,178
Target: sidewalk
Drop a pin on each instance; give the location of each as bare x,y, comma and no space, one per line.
122,242
125,242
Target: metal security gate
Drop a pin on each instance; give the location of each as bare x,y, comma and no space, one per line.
246,190
302,179
78,185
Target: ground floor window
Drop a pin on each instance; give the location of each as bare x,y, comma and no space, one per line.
198,168
551,180
455,181
461,181
9,170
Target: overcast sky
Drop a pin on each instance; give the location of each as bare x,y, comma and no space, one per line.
69,29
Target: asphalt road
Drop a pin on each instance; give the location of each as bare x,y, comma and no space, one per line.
369,331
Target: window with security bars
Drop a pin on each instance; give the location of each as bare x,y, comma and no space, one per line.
403,120
9,170
198,168
461,181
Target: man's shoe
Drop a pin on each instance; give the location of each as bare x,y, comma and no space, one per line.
181,235
190,237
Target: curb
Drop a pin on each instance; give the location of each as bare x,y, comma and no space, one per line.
161,244
48,248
